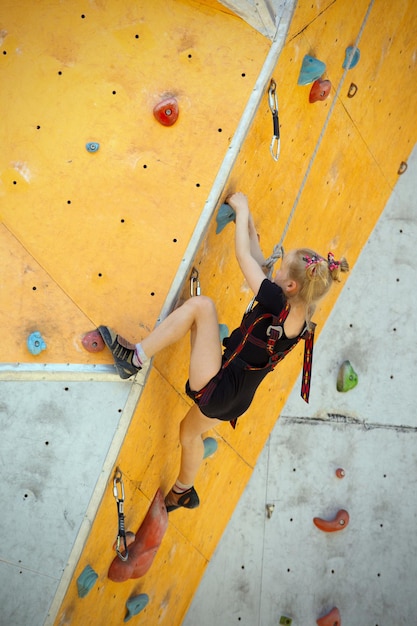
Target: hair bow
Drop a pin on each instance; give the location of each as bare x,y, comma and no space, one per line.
331,262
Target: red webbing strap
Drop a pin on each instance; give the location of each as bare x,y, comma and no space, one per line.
307,364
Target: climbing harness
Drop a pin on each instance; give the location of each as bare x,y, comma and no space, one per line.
195,283
119,494
275,147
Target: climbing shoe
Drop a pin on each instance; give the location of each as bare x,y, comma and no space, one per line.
188,499
121,350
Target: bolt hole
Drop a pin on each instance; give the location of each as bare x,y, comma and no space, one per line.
68,201
145,166
46,443
26,495
15,182
152,293
122,221
136,36
59,73
175,240
220,130
114,92
4,51
197,184
190,56
83,16
66,388
34,288
38,127
243,74
243,567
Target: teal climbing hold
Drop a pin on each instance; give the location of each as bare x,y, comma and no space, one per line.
223,332
225,214
311,70
136,605
35,343
92,146
347,378
352,57
86,581
210,446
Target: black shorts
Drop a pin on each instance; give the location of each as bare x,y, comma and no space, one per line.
229,393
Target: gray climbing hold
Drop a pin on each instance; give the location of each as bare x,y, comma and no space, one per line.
86,581
136,605
225,214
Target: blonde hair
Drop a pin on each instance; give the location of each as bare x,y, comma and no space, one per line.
314,275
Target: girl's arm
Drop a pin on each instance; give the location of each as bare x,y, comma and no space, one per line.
248,252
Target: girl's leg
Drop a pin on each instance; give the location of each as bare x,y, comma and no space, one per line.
199,316
192,427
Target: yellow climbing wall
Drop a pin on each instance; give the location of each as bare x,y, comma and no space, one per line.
101,235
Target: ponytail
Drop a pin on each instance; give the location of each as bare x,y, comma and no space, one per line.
314,275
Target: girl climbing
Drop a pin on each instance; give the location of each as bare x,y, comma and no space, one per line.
222,386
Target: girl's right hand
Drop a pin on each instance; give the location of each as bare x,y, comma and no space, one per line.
238,201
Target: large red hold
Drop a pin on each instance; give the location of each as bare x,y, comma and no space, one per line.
145,546
331,619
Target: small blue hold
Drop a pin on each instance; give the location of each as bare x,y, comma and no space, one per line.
311,70
224,215
210,446
92,146
223,332
86,581
136,605
351,59
35,343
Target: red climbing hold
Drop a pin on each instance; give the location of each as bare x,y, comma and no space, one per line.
331,619
93,341
340,472
166,112
320,89
330,526
145,546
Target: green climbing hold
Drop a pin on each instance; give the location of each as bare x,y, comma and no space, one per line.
287,621
86,581
224,215
347,378
210,446
136,605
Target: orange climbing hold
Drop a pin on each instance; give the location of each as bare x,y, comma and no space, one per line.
320,89
331,619
166,112
145,546
330,526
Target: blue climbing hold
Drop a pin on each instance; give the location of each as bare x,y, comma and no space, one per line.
352,57
136,605
86,581
210,446
92,146
35,343
224,215
311,70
